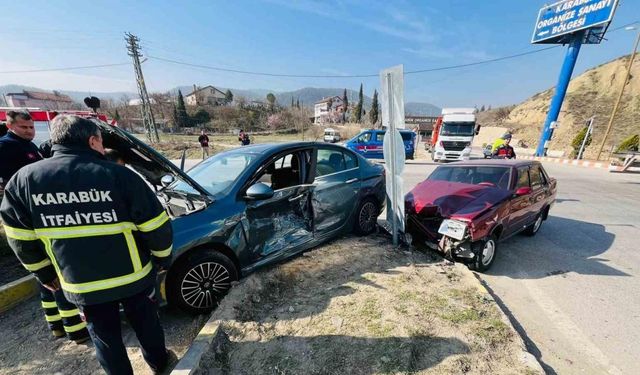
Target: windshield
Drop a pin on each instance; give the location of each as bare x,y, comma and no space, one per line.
474,175
458,128
216,174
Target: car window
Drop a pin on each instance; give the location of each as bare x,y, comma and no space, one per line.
379,137
536,177
406,136
283,173
364,138
216,174
329,161
523,177
474,175
351,160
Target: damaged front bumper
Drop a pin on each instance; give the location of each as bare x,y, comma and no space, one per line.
427,231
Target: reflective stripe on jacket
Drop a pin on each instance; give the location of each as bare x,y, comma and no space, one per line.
92,223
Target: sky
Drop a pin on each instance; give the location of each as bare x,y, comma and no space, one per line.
304,37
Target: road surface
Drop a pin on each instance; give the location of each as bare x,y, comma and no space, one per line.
573,289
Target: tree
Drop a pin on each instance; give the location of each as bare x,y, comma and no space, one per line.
358,109
375,109
482,109
182,118
345,105
292,103
201,117
116,115
176,117
577,140
632,143
272,101
298,103
489,107
228,97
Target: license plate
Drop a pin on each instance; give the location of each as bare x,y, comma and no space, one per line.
453,229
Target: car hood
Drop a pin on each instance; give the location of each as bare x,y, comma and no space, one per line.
451,199
143,158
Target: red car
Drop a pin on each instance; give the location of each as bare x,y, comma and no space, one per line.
463,209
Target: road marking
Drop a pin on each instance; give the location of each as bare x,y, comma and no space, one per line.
566,327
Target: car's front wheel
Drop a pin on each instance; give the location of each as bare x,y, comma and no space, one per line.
198,283
485,253
366,217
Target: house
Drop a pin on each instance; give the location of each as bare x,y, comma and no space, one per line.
37,99
205,95
422,125
328,110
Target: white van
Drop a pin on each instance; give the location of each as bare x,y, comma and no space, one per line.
331,135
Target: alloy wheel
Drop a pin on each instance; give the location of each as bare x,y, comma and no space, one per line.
203,284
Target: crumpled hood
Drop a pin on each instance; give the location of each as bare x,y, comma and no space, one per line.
452,199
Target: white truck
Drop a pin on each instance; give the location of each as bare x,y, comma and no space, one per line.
454,135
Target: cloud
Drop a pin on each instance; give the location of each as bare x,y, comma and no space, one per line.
428,34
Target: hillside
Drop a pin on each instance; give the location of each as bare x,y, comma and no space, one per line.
591,93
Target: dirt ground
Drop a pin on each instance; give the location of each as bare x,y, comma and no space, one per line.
357,306
27,346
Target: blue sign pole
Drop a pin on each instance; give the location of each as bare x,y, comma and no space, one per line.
561,89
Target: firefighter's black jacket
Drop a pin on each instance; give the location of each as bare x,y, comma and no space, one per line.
92,223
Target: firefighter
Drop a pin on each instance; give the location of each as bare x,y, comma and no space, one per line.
94,229
16,151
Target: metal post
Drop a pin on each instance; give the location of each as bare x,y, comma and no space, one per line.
584,141
561,89
145,106
391,130
615,107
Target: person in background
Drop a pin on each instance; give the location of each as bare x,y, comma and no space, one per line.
95,231
204,143
505,150
17,151
246,140
241,137
114,156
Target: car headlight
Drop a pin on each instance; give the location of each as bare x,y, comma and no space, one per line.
453,228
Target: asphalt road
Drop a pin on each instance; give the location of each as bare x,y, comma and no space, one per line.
573,289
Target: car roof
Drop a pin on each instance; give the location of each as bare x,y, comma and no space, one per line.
495,163
262,148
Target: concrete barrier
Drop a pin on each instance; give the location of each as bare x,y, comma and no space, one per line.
17,291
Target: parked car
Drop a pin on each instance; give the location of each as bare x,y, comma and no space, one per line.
331,135
369,143
487,151
465,208
252,206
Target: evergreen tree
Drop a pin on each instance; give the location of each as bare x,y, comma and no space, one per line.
182,117
116,116
292,103
375,109
345,105
176,117
228,96
271,99
358,109
482,109
298,103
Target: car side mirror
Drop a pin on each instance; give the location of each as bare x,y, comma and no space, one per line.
259,191
167,180
477,129
523,191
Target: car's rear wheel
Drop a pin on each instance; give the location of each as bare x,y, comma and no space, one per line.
366,217
533,229
485,254
198,283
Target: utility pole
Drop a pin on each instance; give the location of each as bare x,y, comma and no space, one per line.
624,84
145,106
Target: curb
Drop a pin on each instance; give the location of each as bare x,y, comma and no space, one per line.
209,336
579,163
528,359
17,291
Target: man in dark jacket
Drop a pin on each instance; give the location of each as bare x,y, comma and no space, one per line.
94,229
203,139
504,150
16,151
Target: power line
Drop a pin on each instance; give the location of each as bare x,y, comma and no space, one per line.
482,62
63,69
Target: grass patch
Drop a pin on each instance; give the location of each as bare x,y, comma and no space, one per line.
461,316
